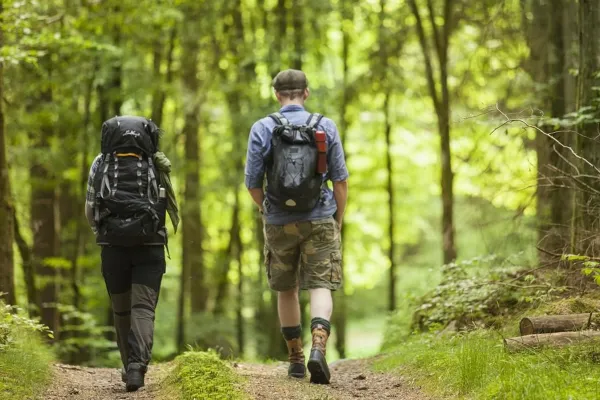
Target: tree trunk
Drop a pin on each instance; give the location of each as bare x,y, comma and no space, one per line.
280,36
391,208
558,339
340,300
236,254
554,323
548,66
441,103
192,230
298,23
33,300
7,278
44,225
160,95
585,238
116,82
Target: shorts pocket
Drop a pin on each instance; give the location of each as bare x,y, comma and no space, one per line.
268,256
336,267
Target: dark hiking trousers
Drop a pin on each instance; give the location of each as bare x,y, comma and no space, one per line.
133,276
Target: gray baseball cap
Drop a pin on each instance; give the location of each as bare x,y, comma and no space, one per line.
290,79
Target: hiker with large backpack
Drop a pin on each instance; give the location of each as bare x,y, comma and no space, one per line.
299,153
128,196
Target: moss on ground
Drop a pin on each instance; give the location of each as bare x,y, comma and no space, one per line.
204,376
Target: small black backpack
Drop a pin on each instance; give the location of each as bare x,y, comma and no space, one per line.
129,209
293,180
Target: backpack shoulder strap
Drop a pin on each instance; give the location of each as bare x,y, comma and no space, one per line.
279,118
313,120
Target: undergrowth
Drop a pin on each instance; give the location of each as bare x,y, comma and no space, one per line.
475,365
24,359
203,375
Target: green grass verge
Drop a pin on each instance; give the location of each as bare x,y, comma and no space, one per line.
24,362
203,375
476,366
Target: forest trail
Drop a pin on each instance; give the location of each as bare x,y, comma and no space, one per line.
74,382
351,379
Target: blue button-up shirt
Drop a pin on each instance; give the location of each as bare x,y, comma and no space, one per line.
259,146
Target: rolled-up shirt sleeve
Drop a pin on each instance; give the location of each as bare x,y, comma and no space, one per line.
255,157
336,162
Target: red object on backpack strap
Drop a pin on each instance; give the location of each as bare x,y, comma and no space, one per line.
321,140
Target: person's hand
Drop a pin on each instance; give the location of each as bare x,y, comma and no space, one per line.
339,224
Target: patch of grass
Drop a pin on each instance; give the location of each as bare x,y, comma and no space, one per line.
24,360
475,366
203,375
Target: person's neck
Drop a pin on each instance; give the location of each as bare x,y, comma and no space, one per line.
292,103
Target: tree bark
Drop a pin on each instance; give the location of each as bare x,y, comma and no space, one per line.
585,239
559,339
160,95
236,254
340,301
391,202
44,224
298,23
33,300
7,278
548,66
192,229
554,323
441,103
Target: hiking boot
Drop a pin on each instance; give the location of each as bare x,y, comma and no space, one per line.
297,369
317,365
135,378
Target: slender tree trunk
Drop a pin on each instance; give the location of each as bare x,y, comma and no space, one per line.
160,93
585,238
340,305
192,230
44,225
298,23
280,36
441,101
7,279
391,208
116,90
33,299
548,66
236,254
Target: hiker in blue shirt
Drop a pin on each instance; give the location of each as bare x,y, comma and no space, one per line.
300,153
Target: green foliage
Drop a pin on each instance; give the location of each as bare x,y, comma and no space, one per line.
81,330
476,292
474,365
13,322
204,376
24,360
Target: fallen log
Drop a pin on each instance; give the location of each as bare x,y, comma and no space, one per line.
555,323
558,339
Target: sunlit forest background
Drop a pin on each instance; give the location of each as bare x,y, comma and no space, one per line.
425,103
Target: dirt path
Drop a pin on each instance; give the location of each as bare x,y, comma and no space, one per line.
72,382
351,379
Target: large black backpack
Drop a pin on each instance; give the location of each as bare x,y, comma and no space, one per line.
129,208
293,183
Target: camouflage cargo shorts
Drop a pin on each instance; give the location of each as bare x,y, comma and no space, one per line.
308,250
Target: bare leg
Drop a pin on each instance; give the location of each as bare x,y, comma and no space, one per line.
321,303
288,307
